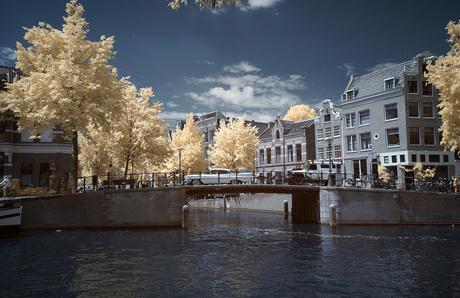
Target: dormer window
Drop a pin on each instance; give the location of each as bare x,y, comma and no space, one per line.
391,83
327,118
349,94
277,135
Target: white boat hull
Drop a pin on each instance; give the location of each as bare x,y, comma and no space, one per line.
10,219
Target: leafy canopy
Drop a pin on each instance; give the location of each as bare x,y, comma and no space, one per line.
444,73
68,79
235,145
191,142
299,113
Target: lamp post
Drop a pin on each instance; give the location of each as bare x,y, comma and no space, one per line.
180,171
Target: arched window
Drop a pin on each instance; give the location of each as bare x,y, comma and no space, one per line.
277,135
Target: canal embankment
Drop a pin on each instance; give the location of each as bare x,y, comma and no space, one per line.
105,209
354,206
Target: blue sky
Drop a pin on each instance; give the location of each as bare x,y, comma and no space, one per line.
257,59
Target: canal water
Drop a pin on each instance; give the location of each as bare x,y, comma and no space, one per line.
234,254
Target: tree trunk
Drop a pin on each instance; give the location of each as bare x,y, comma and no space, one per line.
126,167
75,161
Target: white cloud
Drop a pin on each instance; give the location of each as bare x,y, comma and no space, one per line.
257,4
381,66
348,68
241,67
171,104
7,56
238,92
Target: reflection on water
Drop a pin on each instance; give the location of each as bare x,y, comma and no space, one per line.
234,254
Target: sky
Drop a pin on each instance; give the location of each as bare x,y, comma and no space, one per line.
257,59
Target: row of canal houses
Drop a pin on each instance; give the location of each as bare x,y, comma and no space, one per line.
387,117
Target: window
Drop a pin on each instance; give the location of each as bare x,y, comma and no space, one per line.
414,136
390,83
261,157
428,110
402,158
299,152
290,154
413,157
319,134
434,158
337,151
44,174
26,174
278,154
393,137
366,141
427,89
278,135
412,87
211,135
364,118
320,153
386,159
446,158
329,153
269,156
349,95
337,131
350,120
391,111
428,135
413,109
328,132
327,118
351,143
422,157
394,159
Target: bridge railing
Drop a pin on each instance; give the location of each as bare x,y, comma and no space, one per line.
163,179
156,180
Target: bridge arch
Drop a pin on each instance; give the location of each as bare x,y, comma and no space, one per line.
305,199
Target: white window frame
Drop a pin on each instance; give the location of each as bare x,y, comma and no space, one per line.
350,120
432,109
320,134
418,109
393,131
389,108
320,153
361,117
351,143
368,143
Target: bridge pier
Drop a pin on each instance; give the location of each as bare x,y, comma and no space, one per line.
306,207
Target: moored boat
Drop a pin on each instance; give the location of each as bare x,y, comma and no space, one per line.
10,217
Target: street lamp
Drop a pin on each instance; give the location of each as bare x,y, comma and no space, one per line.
180,171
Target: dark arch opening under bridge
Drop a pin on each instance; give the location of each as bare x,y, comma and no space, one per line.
305,199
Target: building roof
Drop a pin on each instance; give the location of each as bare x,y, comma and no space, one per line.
290,128
373,83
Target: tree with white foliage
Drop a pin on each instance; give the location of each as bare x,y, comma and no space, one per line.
444,73
191,142
137,137
299,113
68,81
235,145
95,146
140,135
